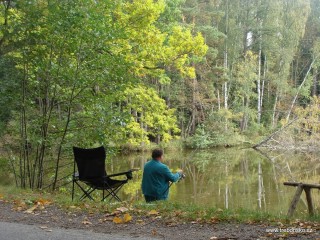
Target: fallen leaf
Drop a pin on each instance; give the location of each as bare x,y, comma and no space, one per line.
19,205
43,201
178,213
138,210
122,209
1,196
127,218
171,224
153,212
31,210
214,220
86,222
117,220
108,219
139,221
111,214
154,232
115,213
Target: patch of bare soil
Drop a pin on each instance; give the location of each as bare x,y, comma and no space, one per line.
152,226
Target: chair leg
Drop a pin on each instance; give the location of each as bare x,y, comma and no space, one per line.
113,193
86,193
72,189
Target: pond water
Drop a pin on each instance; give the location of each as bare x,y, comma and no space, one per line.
230,178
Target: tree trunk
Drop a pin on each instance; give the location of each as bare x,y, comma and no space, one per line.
263,82
273,134
5,17
227,186
259,87
69,111
299,88
244,122
24,153
315,82
219,101
225,54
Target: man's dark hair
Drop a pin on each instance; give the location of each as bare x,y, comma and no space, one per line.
156,153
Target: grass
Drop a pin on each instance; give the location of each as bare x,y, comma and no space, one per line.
166,209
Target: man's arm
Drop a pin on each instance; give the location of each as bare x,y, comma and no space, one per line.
172,177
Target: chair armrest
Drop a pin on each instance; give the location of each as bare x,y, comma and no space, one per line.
127,173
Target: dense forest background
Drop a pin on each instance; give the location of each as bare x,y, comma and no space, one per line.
129,73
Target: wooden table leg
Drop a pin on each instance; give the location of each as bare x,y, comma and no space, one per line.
309,200
295,200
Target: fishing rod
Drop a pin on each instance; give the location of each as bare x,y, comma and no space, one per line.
182,176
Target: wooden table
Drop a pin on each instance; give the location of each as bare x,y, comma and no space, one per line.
307,188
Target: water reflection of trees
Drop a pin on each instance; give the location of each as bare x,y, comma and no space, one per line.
246,178
222,175
230,178
294,166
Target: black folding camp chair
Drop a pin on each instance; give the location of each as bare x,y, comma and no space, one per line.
91,171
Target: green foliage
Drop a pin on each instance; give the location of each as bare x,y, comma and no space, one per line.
150,116
8,91
73,65
246,75
6,176
308,116
201,139
116,72
217,130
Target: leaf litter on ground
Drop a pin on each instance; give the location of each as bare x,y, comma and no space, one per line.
122,219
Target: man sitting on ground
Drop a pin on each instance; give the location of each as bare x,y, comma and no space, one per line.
156,178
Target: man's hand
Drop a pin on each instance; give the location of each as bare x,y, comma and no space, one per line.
180,171
182,175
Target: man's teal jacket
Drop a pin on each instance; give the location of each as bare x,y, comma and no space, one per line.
155,180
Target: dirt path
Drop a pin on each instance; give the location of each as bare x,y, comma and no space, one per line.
12,231
152,227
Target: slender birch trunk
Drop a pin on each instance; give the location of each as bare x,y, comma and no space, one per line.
274,111
225,61
259,86
299,88
315,82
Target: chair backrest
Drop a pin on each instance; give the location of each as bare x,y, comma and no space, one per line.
90,162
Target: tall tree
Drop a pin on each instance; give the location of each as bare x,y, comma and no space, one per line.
76,60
